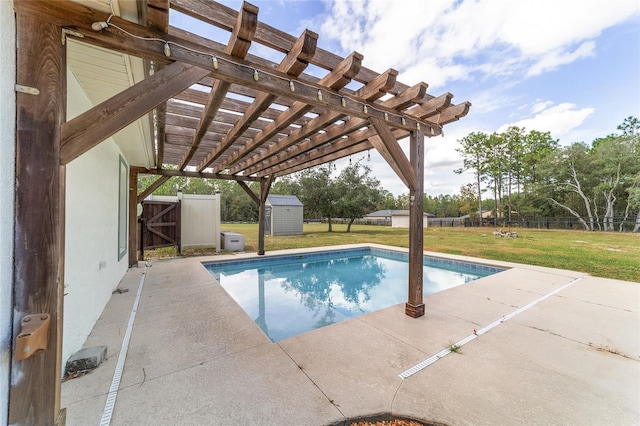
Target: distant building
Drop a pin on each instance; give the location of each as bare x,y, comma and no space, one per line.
400,219
381,215
283,215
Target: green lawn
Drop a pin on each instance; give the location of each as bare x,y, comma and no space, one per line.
609,255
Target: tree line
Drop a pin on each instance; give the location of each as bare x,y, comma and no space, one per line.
517,174
351,194
530,175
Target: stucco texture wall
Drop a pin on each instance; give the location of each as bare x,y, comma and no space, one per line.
92,267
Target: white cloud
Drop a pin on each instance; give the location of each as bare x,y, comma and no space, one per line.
553,60
445,40
560,120
540,106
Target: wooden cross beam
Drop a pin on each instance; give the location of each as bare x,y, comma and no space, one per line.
95,125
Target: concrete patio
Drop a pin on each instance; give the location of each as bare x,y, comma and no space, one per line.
195,357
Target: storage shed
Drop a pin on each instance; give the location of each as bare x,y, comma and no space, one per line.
400,219
283,215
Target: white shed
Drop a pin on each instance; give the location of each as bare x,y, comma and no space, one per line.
400,219
283,215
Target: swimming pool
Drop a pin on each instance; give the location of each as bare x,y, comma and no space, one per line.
291,294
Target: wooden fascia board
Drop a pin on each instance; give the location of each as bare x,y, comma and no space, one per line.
336,79
238,47
391,151
95,125
293,64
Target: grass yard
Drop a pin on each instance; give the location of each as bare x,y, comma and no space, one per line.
602,254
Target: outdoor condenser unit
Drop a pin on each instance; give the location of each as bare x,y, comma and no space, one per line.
232,241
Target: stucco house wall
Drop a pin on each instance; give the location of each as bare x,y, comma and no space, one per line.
7,173
93,268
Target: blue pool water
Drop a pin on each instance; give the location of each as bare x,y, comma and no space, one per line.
289,295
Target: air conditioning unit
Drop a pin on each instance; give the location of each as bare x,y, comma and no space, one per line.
232,241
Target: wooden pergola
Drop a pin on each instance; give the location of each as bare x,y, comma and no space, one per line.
218,112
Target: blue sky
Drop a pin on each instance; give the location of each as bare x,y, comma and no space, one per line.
570,67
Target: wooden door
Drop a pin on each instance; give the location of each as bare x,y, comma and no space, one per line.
160,223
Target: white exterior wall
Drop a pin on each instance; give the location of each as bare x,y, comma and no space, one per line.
286,220
92,268
7,177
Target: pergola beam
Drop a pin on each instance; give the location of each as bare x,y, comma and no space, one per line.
230,69
98,123
262,165
238,47
387,145
149,190
336,79
293,64
322,156
203,175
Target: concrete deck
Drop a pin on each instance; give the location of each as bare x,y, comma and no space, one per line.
195,357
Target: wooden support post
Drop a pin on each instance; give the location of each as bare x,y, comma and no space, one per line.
265,186
133,217
38,274
415,307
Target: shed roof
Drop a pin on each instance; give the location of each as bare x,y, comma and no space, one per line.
382,213
284,200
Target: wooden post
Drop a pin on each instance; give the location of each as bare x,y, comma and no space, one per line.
133,217
415,307
38,277
265,186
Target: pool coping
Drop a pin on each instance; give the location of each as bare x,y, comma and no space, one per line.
196,357
384,251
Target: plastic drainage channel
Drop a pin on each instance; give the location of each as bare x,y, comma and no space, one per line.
427,362
117,375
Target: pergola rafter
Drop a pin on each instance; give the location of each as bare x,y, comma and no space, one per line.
229,141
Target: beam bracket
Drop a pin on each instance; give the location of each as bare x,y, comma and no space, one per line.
34,335
26,89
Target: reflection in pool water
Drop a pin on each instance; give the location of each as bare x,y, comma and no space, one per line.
295,294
